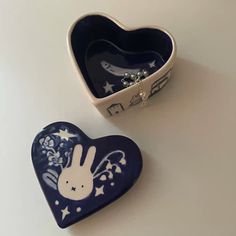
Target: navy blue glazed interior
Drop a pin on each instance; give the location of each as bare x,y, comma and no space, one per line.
104,52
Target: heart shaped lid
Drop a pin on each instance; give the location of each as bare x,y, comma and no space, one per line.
79,175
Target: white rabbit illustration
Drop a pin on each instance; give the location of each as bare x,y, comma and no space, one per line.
76,182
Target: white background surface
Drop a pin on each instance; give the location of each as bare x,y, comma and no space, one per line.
187,132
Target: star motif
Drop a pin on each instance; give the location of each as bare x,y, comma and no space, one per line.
108,88
65,212
64,134
152,64
99,191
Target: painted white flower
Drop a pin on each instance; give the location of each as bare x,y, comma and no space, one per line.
54,159
46,142
118,169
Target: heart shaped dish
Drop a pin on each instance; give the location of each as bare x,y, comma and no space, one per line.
79,175
106,53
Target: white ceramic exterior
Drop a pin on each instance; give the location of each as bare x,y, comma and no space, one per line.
121,100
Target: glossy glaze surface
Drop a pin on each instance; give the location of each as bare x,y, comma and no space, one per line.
104,52
79,175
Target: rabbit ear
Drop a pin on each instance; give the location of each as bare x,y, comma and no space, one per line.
90,157
77,153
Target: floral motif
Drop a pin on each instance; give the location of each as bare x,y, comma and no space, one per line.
47,142
54,158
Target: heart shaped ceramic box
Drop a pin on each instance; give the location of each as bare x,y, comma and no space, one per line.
103,50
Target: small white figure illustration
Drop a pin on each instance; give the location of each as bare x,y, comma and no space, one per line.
76,182
73,180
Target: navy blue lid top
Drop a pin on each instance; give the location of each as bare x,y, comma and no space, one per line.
79,175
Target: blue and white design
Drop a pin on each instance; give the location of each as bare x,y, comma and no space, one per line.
118,71
78,174
108,88
73,180
107,64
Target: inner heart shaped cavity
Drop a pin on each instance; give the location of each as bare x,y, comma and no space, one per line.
107,64
104,52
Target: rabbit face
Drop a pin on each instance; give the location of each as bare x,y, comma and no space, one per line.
75,184
76,181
